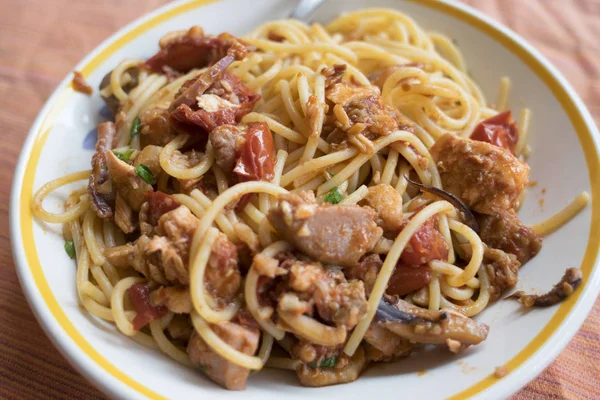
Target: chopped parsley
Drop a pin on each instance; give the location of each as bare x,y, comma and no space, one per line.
124,155
202,368
326,363
334,196
144,172
70,249
135,127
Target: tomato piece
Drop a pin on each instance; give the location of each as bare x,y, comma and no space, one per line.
500,130
139,295
192,120
408,278
425,245
256,160
159,203
187,118
192,50
182,55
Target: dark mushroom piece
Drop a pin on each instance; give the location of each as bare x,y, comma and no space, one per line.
465,212
99,187
563,289
111,101
420,325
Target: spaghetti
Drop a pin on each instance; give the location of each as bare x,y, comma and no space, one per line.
256,190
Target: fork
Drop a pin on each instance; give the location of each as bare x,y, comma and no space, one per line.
305,8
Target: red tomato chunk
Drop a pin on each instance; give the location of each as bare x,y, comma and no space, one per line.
408,278
257,156
139,295
425,245
500,130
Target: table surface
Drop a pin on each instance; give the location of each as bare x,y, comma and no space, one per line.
41,41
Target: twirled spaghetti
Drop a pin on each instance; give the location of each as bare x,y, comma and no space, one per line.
257,191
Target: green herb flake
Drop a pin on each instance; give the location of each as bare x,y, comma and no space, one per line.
334,196
202,368
124,155
144,172
135,127
326,363
70,249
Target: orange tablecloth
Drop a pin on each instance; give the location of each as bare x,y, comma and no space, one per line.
40,41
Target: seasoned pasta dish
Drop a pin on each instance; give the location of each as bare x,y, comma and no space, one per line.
314,198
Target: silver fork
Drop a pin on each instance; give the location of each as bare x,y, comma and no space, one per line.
305,8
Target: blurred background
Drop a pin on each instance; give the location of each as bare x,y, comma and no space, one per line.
41,41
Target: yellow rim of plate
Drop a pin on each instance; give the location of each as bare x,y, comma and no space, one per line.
543,73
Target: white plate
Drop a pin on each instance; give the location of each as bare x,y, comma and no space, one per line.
565,161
